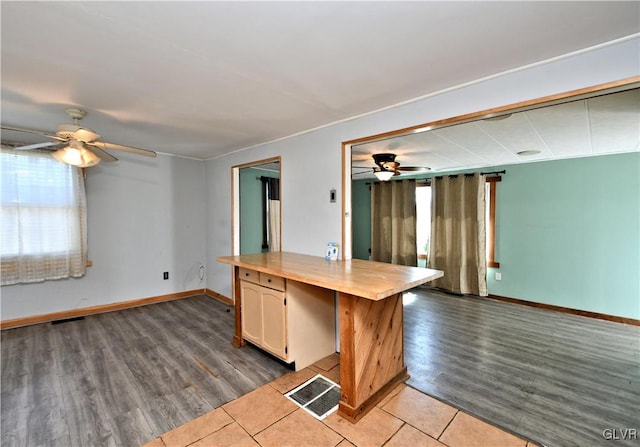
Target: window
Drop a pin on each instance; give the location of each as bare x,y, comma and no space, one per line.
43,218
491,187
423,221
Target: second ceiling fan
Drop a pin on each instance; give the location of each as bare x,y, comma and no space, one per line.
387,167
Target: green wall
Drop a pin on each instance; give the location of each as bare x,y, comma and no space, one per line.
251,209
567,233
361,218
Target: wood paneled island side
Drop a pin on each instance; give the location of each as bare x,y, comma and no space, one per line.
370,315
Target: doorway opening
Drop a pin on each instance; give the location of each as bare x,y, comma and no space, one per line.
256,214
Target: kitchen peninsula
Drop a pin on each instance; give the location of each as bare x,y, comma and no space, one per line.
369,297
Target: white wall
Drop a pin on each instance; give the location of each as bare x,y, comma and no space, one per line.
149,216
145,217
311,163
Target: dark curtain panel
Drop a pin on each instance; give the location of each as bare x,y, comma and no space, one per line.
270,213
273,188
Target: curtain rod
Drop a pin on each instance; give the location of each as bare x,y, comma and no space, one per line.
469,174
426,179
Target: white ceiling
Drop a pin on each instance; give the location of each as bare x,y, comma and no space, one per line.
605,124
202,79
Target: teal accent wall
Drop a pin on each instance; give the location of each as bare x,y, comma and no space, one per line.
361,218
251,209
567,233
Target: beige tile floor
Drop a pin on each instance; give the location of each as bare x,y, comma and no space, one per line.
265,417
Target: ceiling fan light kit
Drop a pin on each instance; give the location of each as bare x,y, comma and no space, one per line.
76,156
81,146
384,176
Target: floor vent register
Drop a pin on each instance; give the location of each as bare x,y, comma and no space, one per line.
318,396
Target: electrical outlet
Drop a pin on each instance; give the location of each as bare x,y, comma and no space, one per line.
498,276
165,275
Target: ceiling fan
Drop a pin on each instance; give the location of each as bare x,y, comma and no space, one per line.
80,145
387,167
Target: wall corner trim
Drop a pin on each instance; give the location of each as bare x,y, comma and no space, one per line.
226,300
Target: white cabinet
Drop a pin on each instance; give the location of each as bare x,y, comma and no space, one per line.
251,312
264,318
291,320
274,323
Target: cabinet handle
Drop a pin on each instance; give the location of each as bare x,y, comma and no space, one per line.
268,280
246,274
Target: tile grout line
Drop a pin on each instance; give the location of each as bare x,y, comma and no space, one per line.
473,415
274,422
234,422
396,432
343,437
300,409
414,427
393,415
448,425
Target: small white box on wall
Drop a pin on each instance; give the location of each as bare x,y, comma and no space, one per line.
332,251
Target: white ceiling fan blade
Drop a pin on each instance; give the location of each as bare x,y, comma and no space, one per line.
102,155
36,132
30,147
119,147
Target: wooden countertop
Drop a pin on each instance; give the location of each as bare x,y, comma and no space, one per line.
368,279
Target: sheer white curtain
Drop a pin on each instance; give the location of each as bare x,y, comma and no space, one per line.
393,222
274,224
458,233
43,218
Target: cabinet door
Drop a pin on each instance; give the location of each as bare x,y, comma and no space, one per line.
251,296
274,324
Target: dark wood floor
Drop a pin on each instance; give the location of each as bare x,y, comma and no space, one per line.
123,378
558,379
